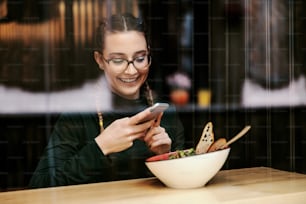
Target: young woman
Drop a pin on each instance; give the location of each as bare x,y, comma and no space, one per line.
95,147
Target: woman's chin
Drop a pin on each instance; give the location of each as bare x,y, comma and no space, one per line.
129,93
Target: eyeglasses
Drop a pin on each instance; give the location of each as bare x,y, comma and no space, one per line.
120,64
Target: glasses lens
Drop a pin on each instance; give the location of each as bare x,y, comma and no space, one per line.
120,64
141,62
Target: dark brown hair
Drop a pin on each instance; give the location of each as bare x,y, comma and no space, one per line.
119,23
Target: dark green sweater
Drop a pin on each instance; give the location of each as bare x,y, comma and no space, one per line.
73,157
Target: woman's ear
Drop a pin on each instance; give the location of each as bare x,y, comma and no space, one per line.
98,59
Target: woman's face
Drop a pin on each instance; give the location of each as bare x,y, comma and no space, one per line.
124,45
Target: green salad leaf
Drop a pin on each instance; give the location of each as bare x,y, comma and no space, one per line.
182,153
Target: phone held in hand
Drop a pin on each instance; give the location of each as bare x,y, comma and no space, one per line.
159,107
154,111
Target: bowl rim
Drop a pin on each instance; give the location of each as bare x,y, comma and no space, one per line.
195,155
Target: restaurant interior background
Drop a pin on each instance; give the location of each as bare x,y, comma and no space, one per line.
245,60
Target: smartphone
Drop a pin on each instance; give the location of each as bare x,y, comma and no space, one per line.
155,110
159,107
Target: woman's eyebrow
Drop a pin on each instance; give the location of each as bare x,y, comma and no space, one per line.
119,54
140,52
115,54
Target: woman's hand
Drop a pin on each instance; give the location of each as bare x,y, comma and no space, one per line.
157,138
120,134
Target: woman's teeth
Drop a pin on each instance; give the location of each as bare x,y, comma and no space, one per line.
129,80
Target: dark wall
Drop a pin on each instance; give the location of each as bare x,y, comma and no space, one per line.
22,140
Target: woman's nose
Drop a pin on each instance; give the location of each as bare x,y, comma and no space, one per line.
131,69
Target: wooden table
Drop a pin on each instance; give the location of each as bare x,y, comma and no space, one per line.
252,185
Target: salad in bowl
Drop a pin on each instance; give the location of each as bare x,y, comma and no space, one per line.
193,167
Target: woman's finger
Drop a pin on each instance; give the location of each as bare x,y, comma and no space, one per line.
141,117
158,119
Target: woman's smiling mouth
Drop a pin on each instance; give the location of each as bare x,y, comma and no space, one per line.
129,80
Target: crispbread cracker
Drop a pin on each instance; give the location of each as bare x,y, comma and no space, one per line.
206,140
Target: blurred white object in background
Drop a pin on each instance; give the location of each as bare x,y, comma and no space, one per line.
82,99
254,95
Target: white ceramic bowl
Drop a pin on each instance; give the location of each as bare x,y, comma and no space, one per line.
189,172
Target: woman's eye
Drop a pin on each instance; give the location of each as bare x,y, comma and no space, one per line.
140,59
118,60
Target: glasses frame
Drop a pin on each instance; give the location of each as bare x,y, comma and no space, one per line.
131,62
